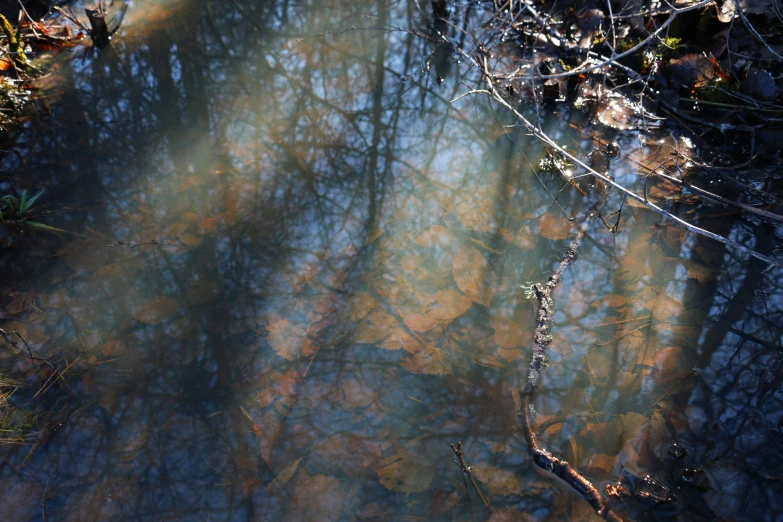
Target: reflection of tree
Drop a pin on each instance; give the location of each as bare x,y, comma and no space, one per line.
312,191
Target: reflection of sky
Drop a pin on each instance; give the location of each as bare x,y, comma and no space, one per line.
253,160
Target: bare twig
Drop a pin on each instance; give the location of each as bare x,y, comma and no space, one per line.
692,372
720,199
13,343
466,471
585,67
753,31
538,133
541,340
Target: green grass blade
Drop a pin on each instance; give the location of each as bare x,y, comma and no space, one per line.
31,200
42,226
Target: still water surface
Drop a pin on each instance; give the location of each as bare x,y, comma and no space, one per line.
293,280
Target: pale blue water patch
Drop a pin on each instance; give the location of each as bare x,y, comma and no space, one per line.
297,282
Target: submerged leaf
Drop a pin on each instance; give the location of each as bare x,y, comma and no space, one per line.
361,306
509,334
411,261
286,339
190,240
664,308
400,339
436,235
497,481
419,323
207,226
429,361
377,327
469,268
284,476
554,227
36,224
318,497
204,293
358,394
156,310
406,471
702,274
354,456
450,305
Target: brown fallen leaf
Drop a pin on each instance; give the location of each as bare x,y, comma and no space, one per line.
207,226
602,461
112,348
284,476
156,310
419,323
190,240
400,339
429,361
449,305
436,235
56,299
286,339
478,212
497,481
612,301
20,301
512,328
450,501
524,238
469,269
702,274
318,498
664,308
554,227
354,456
358,394
84,256
411,261
374,235
204,293
406,471
376,327
361,304
190,218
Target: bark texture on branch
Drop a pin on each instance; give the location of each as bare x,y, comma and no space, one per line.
543,459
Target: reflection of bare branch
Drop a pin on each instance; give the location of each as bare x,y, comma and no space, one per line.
538,133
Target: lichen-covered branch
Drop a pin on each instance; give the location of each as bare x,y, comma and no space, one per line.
543,459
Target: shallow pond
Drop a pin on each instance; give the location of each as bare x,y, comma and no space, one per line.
291,279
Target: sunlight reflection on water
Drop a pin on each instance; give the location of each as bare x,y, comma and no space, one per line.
313,286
